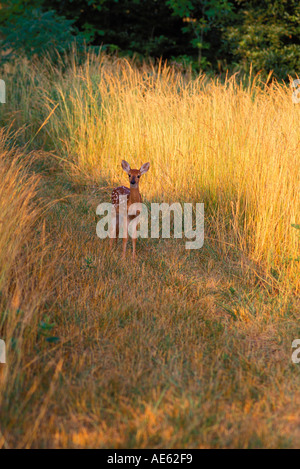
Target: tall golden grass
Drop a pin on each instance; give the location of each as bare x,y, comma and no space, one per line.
25,276
182,349
233,146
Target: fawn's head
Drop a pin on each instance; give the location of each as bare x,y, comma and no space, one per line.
135,174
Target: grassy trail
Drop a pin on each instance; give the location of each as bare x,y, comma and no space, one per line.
181,349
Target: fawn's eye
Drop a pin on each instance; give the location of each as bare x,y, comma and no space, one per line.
129,175
139,177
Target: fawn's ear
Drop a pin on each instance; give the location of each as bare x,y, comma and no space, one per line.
125,166
144,168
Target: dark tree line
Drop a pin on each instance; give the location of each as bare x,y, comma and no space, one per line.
212,35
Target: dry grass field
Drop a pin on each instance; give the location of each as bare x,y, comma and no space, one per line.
184,348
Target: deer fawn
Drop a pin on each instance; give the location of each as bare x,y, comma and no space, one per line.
133,196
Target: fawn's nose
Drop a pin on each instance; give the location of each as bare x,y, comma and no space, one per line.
132,180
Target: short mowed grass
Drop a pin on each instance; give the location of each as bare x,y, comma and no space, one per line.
183,348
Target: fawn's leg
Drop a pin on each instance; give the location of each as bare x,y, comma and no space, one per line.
111,240
134,241
117,230
133,248
113,232
125,234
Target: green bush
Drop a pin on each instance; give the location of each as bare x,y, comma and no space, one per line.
35,33
266,34
211,35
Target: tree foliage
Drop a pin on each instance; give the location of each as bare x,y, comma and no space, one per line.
34,31
267,34
210,34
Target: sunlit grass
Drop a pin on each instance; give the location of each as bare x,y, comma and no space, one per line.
25,273
231,146
184,348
